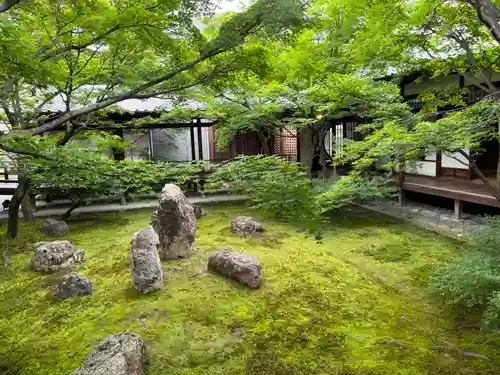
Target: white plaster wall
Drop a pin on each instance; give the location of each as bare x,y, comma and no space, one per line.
449,162
423,168
205,140
431,157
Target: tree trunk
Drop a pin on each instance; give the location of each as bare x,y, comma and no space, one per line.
488,14
322,154
15,202
492,189
67,214
27,208
498,170
263,141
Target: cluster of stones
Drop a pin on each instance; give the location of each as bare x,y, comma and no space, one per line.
50,257
169,236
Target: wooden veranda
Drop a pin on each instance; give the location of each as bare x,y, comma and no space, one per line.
458,190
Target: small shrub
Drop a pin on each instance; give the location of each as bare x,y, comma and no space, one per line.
273,185
473,278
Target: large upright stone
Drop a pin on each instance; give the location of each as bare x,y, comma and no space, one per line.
120,354
242,267
53,227
145,265
175,223
52,256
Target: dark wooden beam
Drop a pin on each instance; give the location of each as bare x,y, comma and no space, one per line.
200,139
170,125
193,151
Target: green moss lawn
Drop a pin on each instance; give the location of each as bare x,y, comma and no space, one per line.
354,304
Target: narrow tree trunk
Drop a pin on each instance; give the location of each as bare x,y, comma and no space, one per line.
263,141
67,214
27,208
17,198
492,189
498,170
322,154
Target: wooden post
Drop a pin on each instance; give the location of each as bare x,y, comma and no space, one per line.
458,209
150,141
298,145
200,139
193,151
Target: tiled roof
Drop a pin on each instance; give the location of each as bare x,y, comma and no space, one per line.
132,105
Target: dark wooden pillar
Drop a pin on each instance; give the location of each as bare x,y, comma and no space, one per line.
200,139
193,151
298,144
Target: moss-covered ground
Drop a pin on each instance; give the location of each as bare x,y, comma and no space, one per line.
354,304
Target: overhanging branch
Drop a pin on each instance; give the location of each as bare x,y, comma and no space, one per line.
33,154
56,123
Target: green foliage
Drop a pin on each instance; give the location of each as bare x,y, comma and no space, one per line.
322,308
473,278
273,185
84,171
282,189
355,188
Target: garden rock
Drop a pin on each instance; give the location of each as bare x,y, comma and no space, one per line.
242,267
175,223
52,256
74,285
145,265
245,226
120,354
54,228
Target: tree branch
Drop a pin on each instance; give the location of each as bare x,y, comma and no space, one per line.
70,131
483,178
489,15
33,154
175,89
55,123
464,44
44,55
